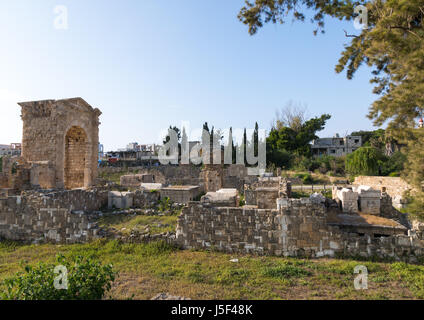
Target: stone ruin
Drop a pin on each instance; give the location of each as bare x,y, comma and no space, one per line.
51,193
357,222
395,187
185,183
59,146
41,192
221,198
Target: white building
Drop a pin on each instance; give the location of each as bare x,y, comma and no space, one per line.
101,151
336,146
13,149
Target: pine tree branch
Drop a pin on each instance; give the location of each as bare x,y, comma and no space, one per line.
350,35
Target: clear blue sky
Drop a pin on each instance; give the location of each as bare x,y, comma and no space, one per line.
147,64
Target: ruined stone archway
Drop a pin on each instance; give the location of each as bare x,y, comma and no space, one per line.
76,148
50,142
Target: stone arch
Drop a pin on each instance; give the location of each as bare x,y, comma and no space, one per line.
48,127
76,155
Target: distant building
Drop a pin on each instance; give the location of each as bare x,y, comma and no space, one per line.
13,149
101,152
133,146
336,146
146,149
133,152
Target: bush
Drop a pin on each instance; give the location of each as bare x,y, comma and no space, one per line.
323,164
242,201
364,161
86,278
392,166
307,179
280,158
164,204
306,164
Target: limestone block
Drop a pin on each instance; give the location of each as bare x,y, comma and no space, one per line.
349,199
180,194
221,198
151,186
266,198
369,199
120,200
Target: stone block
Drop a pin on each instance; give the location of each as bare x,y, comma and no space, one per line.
120,200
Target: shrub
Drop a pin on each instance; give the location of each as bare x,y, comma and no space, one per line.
280,158
305,163
392,166
242,201
364,161
164,204
307,179
327,193
86,278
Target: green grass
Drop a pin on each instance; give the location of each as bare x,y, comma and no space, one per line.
115,176
155,224
300,194
148,269
285,271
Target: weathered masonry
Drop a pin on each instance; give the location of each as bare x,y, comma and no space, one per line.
298,228
359,221
52,216
60,143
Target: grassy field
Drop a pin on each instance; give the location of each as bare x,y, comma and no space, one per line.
115,176
152,224
148,269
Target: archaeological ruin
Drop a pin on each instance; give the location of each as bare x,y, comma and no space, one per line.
52,193
59,146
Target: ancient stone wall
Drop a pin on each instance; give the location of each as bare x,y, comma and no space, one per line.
264,191
143,199
213,177
42,174
4,180
298,228
233,182
136,199
250,197
167,175
266,198
61,217
180,194
395,186
131,180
